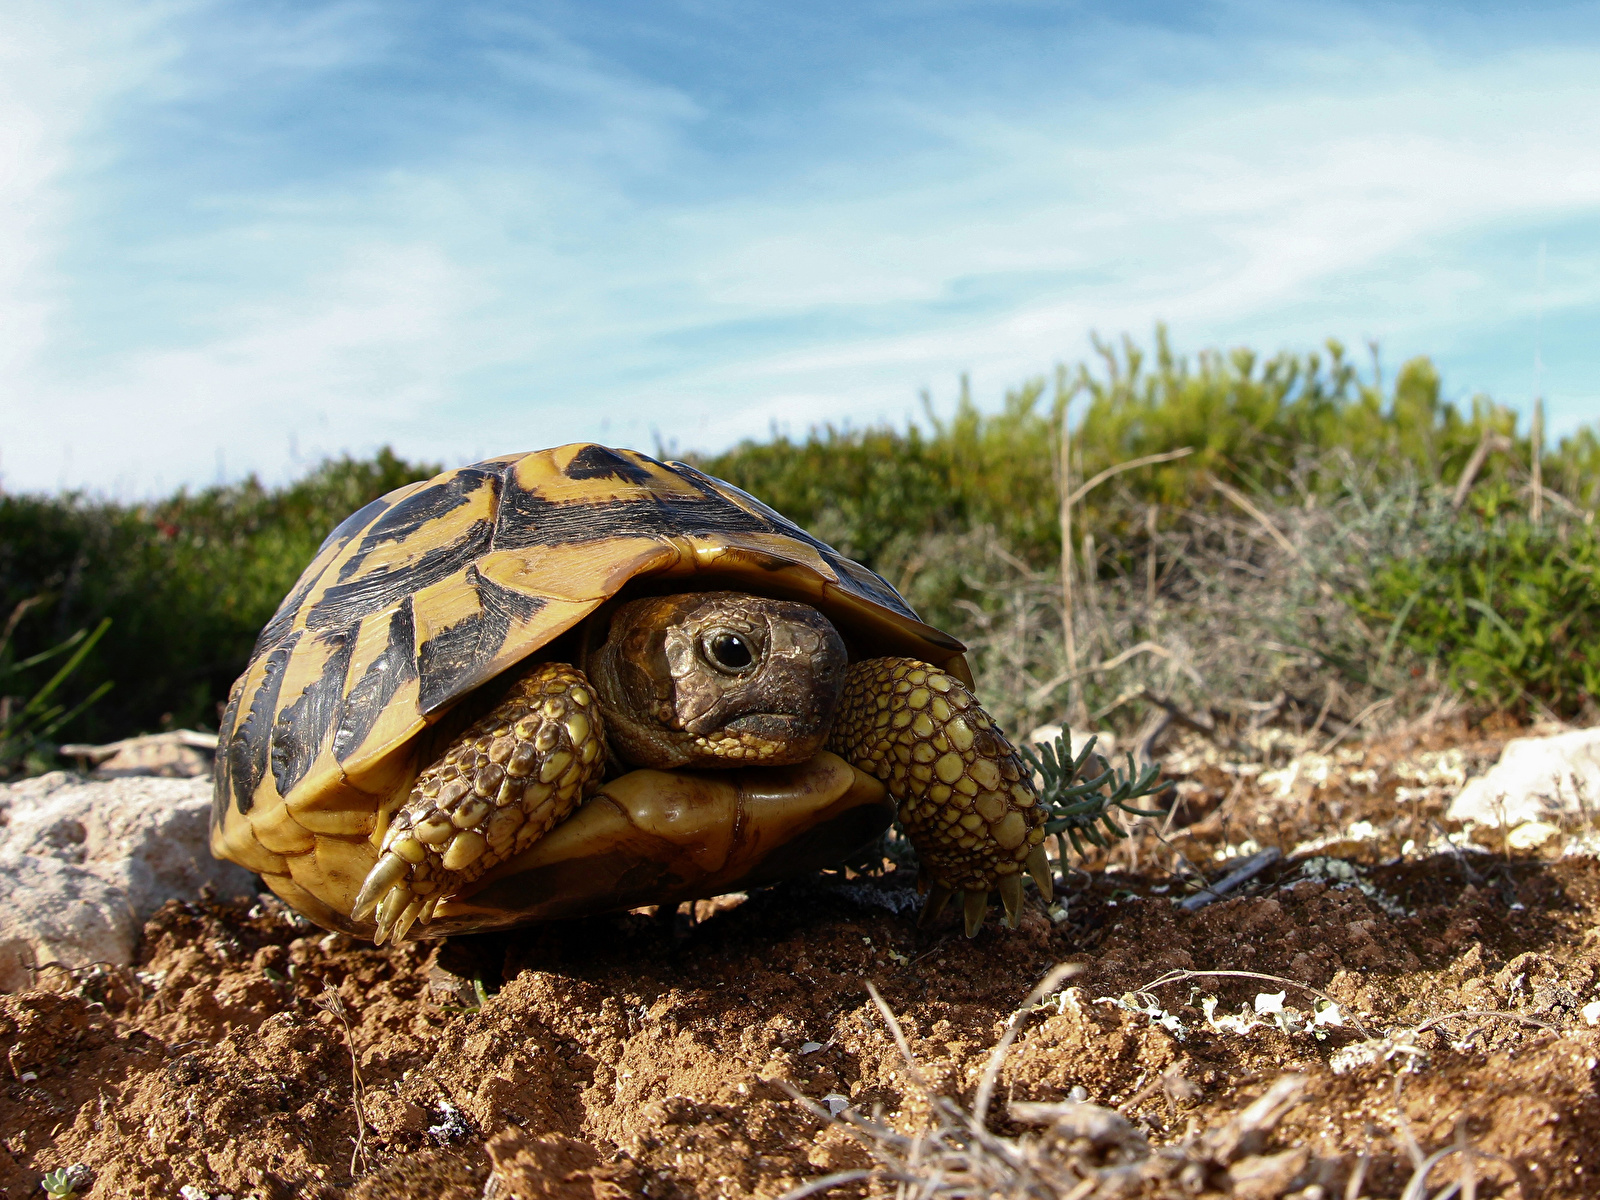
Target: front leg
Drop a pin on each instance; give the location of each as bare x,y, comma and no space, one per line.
499,788
966,800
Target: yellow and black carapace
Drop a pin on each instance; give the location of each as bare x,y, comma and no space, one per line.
580,680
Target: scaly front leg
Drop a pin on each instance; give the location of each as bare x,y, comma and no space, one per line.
499,788
966,800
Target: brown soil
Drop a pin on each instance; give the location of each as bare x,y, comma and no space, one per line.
652,1055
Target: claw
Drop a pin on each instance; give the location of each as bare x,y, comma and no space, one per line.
1039,868
938,897
393,904
1011,897
402,926
391,869
973,905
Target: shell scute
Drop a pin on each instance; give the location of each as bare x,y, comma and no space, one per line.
425,539
578,572
248,743
278,832
304,724
446,503
222,801
336,548
545,505
463,626
334,866
602,462
235,838
356,522
382,676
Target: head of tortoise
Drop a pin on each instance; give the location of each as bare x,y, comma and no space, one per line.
582,680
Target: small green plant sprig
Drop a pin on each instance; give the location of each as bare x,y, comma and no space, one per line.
1081,809
480,997
63,1183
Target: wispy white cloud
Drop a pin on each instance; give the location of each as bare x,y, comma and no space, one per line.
553,244
61,65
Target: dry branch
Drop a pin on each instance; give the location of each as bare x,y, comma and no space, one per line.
1261,518
1487,444
1109,472
1086,1152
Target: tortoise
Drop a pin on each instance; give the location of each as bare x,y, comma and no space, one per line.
583,680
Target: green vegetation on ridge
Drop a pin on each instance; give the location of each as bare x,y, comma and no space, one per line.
188,581
1251,421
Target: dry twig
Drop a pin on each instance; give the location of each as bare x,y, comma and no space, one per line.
330,1002
1246,871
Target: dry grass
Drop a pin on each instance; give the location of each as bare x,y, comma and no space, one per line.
330,1002
1227,617
1084,1152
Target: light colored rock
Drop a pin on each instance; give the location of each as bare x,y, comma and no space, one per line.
1531,835
58,912
1536,780
143,840
180,754
149,836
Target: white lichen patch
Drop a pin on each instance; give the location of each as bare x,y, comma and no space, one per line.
1339,873
1267,1011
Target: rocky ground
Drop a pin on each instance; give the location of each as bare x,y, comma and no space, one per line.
1421,995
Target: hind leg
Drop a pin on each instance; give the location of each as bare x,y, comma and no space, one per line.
501,785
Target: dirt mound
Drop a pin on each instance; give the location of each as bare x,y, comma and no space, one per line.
655,1055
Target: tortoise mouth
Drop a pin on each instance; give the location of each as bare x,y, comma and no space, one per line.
773,739
771,724
661,837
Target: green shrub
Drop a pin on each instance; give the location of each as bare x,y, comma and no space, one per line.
1253,422
1509,609
187,582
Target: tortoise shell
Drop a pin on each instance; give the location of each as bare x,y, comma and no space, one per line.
426,595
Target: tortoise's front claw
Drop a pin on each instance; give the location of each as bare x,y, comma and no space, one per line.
499,788
386,895
974,903
1038,865
1011,897
379,885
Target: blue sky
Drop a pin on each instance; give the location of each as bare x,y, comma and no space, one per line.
238,236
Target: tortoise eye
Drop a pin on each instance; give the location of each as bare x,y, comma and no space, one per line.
728,651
